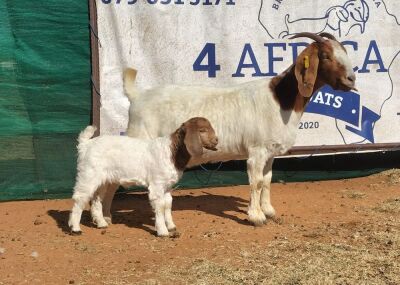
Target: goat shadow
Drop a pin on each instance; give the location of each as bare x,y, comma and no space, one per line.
134,210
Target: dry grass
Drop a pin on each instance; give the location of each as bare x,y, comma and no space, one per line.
389,206
295,262
391,176
285,262
354,194
366,253
298,263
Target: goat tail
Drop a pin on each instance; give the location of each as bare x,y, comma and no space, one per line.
129,83
86,134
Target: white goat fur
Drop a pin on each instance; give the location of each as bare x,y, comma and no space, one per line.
108,161
249,121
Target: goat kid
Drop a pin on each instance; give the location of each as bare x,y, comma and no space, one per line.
106,162
257,120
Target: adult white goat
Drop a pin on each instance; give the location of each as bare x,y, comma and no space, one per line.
256,121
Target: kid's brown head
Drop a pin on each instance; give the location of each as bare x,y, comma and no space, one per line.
199,134
190,139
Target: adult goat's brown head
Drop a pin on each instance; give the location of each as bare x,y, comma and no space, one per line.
323,62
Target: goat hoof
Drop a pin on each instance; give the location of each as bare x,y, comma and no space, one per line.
269,211
257,218
108,220
174,234
101,225
163,234
259,223
76,233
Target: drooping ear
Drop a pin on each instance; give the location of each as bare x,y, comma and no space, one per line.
306,70
192,140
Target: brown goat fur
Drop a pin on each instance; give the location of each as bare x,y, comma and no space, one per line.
189,139
293,88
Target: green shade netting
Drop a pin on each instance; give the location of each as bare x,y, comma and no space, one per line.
44,95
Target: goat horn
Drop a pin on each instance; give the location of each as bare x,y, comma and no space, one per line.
328,36
312,36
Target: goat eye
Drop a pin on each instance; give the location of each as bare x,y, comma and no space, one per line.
203,130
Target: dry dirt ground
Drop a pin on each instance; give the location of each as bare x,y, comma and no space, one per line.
332,232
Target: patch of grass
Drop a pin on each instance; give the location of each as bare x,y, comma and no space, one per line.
372,259
391,176
389,206
203,271
84,247
354,194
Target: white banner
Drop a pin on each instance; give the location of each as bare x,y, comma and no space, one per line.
224,42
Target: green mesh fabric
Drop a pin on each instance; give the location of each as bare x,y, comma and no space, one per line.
44,95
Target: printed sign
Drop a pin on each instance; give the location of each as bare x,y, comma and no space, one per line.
225,42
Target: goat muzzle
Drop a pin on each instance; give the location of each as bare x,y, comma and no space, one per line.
212,145
213,148
348,83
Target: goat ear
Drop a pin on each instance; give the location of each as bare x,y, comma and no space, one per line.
306,70
192,141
